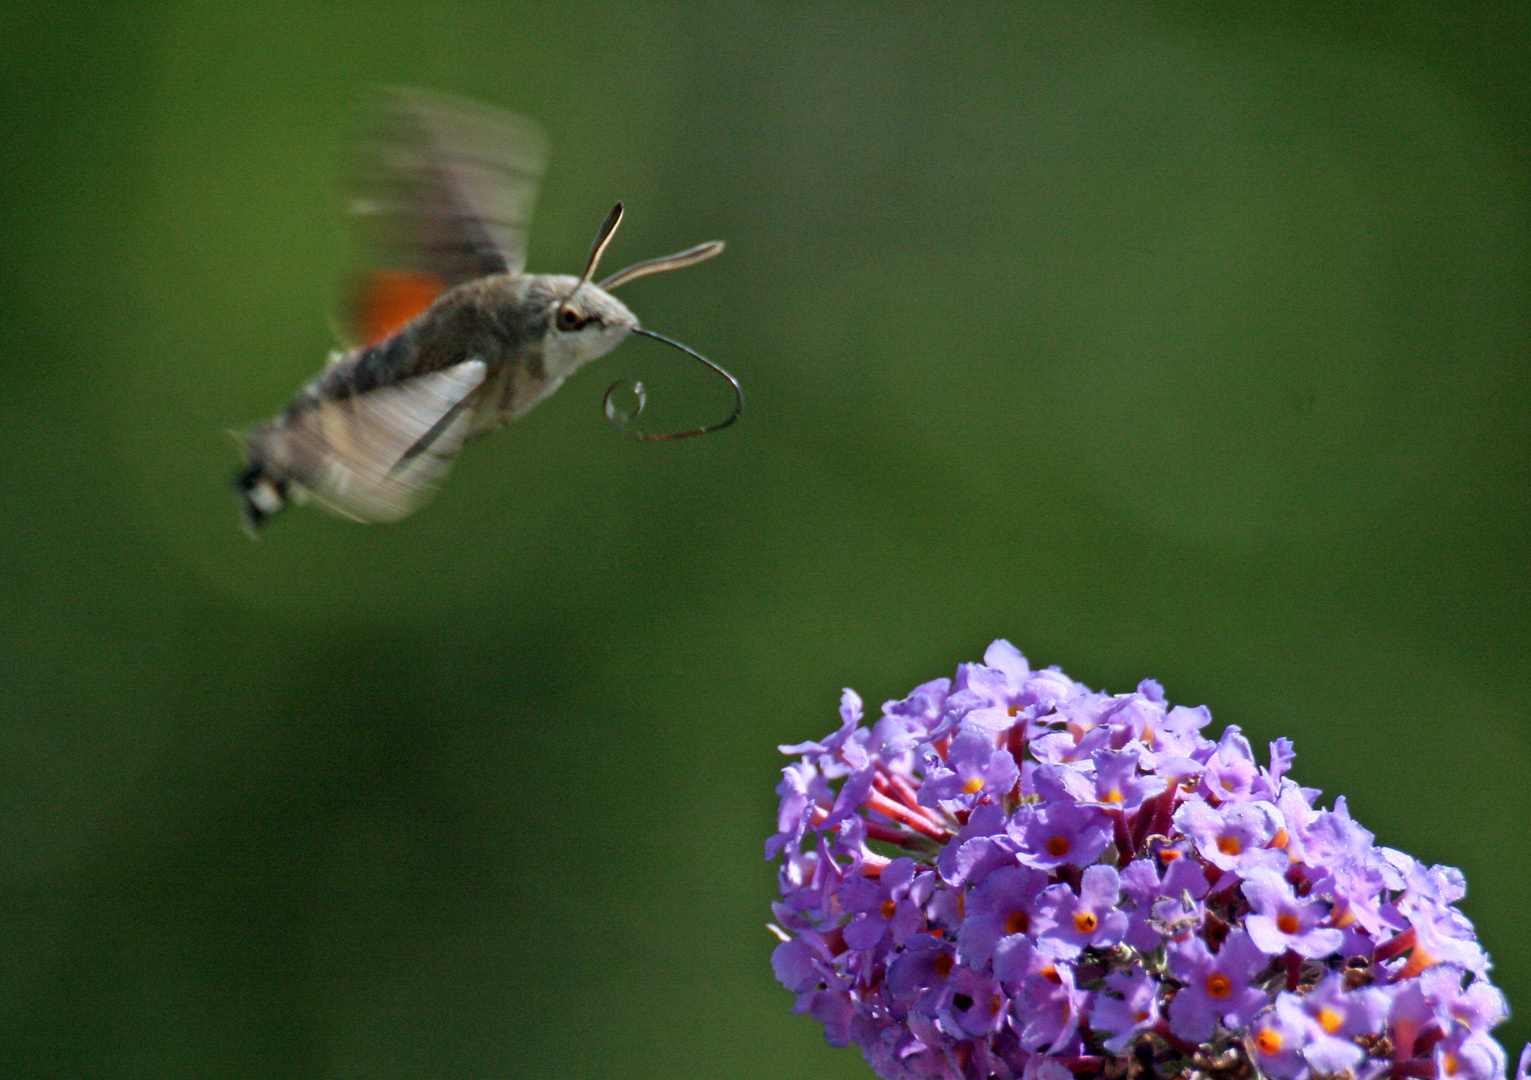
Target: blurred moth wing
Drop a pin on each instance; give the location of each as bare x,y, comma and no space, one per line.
443,191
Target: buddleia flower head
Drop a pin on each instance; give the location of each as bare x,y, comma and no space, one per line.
1010,875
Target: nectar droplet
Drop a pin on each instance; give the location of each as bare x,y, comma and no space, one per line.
625,401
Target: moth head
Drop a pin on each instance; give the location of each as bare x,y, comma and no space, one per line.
588,309
587,321
583,321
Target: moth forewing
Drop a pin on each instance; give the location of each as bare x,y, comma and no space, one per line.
348,452
365,470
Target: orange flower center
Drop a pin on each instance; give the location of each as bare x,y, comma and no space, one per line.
888,908
942,964
1330,1020
1229,845
1085,922
1058,847
1287,923
1419,960
973,786
1018,923
1218,985
1112,796
1268,1041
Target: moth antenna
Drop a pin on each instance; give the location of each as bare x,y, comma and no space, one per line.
620,422
603,237
678,261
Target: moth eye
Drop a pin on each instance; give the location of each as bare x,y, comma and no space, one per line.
570,319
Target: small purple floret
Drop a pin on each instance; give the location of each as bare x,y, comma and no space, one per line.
1128,1004
1218,987
1280,921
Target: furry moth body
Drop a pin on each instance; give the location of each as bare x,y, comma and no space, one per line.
454,338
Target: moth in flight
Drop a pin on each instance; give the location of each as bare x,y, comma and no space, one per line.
449,337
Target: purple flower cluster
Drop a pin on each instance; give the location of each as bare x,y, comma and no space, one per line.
1010,875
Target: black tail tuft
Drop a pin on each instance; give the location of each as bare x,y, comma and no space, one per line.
260,497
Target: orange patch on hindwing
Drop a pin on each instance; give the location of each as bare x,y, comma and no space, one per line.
384,300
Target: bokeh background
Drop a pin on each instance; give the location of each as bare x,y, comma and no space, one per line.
1173,340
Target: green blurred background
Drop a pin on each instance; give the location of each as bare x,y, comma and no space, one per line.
1173,340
